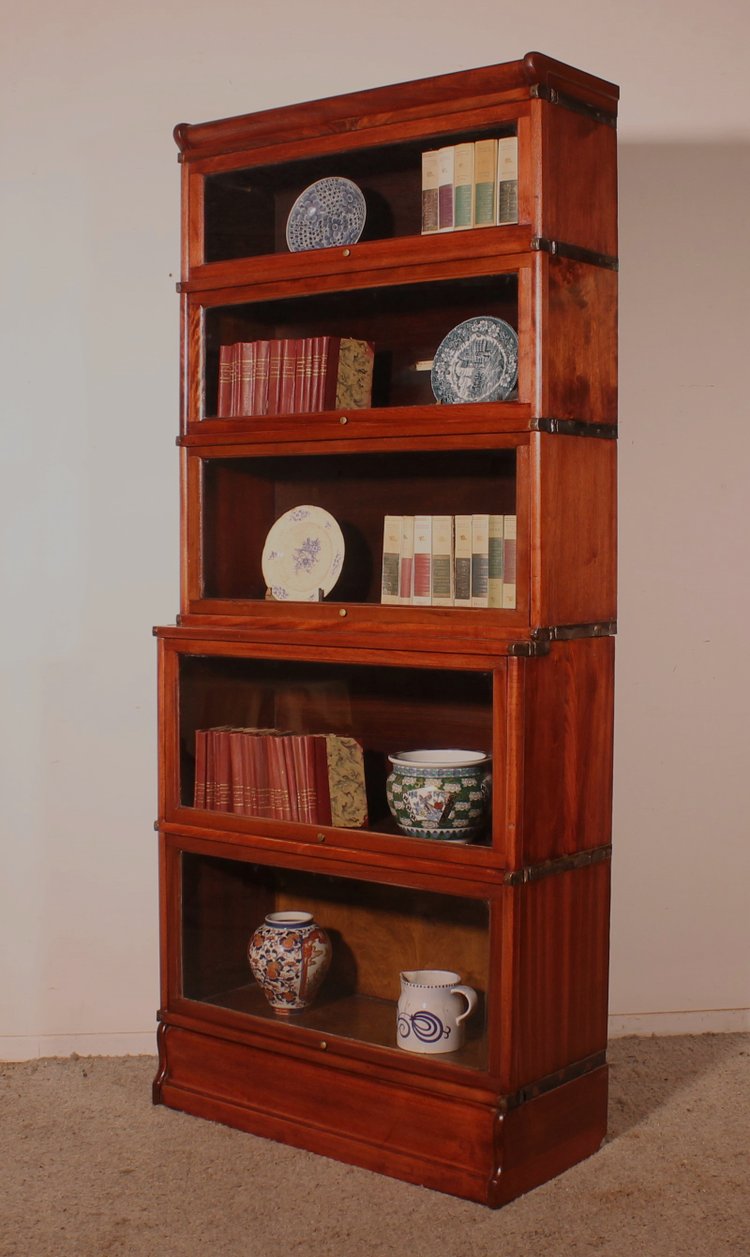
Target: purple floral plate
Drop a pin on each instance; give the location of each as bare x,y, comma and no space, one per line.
303,554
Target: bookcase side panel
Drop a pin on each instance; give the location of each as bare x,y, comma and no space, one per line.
193,189
574,567
576,310
582,210
560,978
568,733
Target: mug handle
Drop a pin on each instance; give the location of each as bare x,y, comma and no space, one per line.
470,996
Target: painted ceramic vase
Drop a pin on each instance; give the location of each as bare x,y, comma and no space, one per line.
289,957
432,1009
444,795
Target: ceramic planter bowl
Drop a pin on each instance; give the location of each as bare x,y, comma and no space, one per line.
443,794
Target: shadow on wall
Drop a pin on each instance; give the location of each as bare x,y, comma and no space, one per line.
683,675
685,269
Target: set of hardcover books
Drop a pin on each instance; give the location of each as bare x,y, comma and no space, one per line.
470,185
449,560
317,778
294,375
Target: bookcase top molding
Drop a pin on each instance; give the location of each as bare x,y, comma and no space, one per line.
535,75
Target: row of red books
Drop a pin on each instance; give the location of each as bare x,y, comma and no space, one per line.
315,778
294,375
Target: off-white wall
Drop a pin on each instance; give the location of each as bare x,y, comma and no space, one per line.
89,505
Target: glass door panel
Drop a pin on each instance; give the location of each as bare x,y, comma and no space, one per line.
246,211
376,933
282,740
404,324
243,497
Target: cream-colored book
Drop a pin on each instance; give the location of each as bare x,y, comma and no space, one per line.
480,541
422,582
507,180
509,558
485,182
442,561
495,561
462,586
406,560
389,584
446,167
430,191
463,187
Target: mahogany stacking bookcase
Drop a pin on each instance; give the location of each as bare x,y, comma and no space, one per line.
522,913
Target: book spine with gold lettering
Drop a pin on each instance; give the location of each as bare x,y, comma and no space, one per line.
509,581
442,561
495,561
389,586
463,187
430,192
422,584
462,588
406,560
485,182
446,167
226,376
507,180
246,377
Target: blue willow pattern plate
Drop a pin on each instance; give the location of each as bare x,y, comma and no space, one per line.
304,553
476,362
329,212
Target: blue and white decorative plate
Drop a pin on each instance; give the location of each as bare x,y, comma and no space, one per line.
476,362
304,553
329,212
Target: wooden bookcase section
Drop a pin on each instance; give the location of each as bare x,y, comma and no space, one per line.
522,913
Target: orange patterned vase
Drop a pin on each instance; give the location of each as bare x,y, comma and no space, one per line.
289,957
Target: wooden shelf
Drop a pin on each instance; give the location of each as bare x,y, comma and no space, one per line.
354,1017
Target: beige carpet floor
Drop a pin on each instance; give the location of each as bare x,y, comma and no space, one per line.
88,1168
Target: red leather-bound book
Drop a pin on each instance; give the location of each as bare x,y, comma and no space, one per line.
302,376
328,372
288,376
281,807
322,790
273,401
226,380
291,775
199,789
317,351
260,377
236,772
245,368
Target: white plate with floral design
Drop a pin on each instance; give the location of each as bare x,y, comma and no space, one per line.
303,554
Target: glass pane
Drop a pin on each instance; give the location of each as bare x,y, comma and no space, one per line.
246,210
243,497
376,933
309,742
404,325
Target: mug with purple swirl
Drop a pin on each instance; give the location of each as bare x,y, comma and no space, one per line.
432,1009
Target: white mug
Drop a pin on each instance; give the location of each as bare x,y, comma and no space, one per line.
432,1009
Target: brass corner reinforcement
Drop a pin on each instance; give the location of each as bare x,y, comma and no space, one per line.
563,864
569,632
528,649
540,91
575,252
575,427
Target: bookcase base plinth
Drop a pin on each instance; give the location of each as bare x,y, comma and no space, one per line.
456,1143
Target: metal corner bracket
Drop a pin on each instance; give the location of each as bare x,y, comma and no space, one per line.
540,91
